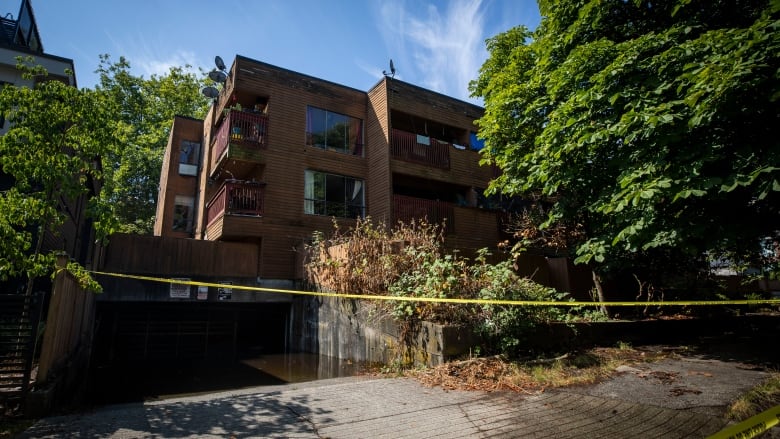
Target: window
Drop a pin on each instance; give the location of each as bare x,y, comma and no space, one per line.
333,195
183,210
189,157
328,130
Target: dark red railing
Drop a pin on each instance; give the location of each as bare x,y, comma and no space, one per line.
407,208
405,146
240,127
236,198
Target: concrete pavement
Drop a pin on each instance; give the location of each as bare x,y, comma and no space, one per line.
674,398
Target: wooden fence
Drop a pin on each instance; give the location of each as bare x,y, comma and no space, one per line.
67,339
141,254
19,315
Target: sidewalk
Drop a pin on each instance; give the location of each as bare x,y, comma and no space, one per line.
679,398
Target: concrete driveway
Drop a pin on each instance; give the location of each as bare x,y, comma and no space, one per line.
674,398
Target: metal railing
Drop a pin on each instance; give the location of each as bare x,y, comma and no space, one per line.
414,148
18,329
237,198
240,127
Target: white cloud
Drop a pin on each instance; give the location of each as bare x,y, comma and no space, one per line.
151,58
160,66
444,48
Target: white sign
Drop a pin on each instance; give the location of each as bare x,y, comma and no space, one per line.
180,291
203,292
225,293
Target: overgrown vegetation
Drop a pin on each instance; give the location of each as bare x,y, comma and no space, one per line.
409,261
762,397
534,376
649,126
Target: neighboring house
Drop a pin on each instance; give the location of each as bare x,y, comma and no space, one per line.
281,154
19,37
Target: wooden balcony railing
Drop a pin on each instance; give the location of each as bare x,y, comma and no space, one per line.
413,148
236,198
406,208
243,128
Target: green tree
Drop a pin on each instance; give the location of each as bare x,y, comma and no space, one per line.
49,156
652,125
144,111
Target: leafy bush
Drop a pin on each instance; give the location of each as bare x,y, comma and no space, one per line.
409,262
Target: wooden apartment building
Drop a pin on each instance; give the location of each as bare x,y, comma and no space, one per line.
280,154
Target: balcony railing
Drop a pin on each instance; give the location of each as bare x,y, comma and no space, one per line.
236,198
243,128
414,148
407,208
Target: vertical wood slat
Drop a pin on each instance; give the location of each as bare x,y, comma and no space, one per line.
405,146
141,254
407,208
68,329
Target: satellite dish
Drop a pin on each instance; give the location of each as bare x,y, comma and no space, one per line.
210,92
219,63
392,70
217,76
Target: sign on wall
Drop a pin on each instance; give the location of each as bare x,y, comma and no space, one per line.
180,291
225,293
203,292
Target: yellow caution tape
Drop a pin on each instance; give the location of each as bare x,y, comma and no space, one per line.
751,427
441,299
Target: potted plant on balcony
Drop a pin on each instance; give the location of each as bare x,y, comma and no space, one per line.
235,131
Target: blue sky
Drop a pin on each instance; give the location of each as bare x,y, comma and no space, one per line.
434,44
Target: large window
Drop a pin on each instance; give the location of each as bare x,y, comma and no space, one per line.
328,130
183,210
189,155
334,195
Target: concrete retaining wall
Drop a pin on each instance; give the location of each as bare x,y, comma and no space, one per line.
360,331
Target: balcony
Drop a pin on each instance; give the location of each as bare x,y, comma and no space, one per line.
407,208
246,132
236,198
414,148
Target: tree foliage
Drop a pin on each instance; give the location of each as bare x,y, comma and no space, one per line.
652,125
50,155
144,110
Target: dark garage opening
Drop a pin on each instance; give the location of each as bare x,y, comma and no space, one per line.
144,350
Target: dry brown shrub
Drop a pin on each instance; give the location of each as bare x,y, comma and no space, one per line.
368,257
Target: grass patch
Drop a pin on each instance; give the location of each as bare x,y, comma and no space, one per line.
758,399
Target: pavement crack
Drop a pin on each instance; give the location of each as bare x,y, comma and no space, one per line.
306,420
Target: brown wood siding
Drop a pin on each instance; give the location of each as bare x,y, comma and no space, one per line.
380,189
203,177
473,229
433,106
169,256
171,183
464,169
162,191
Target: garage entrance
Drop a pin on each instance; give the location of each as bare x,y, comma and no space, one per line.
144,349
